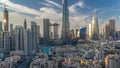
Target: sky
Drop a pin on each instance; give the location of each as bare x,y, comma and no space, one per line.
81,11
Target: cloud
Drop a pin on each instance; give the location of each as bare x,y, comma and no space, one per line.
46,12
46,4
53,3
18,7
73,7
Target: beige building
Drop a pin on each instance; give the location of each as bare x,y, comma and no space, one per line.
95,28
106,31
75,33
112,24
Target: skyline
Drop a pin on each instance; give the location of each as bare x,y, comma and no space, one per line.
81,11
59,34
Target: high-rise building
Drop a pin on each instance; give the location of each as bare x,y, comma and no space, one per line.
46,30
25,24
55,27
112,27
20,38
38,37
51,35
34,36
5,42
106,31
11,27
95,28
75,33
112,24
83,33
1,46
72,34
23,40
65,21
6,19
38,29
29,42
0,26
90,30
12,40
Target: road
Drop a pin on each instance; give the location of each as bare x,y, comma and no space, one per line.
25,63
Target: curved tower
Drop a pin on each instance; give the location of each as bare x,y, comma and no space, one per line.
65,21
95,28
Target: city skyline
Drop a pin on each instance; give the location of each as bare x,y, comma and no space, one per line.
59,34
81,11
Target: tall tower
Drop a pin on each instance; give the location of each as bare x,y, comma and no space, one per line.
65,21
95,28
55,31
11,27
5,19
25,24
5,42
112,24
34,36
112,27
20,38
90,30
29,42
46,30
106,31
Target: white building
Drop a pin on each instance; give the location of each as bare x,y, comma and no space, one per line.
9,62
90,30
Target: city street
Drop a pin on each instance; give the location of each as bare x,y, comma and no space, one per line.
26,63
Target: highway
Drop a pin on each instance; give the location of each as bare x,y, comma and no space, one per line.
25,63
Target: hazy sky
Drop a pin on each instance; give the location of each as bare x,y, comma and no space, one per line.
81,11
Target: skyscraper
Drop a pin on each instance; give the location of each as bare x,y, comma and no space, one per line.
6,19
11,27
5,41
83,33
106,31
75,33
19,38
65,21
46,30
0,26
112,27
95,28
72,34
12,38
29,42
90,30
38,37
112,24
34,36
25,24
55,31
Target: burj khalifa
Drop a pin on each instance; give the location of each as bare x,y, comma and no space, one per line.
65,21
